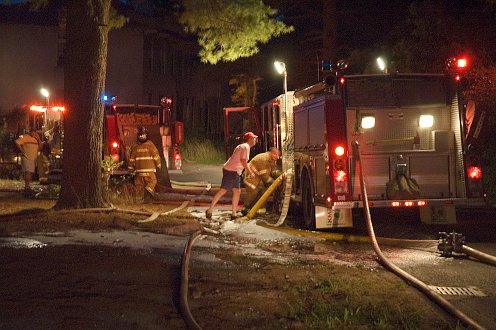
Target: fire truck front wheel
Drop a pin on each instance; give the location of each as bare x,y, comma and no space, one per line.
307,205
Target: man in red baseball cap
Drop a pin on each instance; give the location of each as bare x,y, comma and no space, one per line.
248,135
231,173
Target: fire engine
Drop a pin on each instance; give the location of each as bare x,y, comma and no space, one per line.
121,126
411,133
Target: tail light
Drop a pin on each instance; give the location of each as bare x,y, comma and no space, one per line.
114,150
340,173
340,176
177,158
474,172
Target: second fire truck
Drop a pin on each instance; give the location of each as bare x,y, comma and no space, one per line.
121,127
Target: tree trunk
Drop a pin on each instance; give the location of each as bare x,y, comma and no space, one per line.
85,70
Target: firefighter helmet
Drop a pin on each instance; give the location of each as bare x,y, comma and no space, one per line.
142,134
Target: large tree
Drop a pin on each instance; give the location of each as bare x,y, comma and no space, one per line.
84,78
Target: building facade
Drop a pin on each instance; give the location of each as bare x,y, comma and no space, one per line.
143,65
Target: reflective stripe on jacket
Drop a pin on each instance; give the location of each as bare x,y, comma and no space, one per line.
144,158
262,165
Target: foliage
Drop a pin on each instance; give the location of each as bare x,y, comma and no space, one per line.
426,40
228,30
110,164
244,90
201,150
481,86
488,151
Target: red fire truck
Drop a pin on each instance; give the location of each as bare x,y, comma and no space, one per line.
411,132
121,126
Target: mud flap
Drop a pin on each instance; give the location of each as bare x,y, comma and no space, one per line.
438,214
332,217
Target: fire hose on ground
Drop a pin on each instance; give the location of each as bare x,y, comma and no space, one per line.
395,269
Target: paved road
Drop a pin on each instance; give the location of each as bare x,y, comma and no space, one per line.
192,172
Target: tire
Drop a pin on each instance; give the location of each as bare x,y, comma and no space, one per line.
307,205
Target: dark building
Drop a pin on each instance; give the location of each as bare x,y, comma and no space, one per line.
146,61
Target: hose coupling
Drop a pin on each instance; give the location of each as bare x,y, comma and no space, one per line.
449,243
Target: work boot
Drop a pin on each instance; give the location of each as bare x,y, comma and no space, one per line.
149,196
28,193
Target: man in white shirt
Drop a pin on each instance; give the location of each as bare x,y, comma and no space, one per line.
231,174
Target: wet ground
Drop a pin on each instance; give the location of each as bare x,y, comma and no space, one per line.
109,270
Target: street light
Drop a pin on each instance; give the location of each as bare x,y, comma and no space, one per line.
46,94
382,64
281,69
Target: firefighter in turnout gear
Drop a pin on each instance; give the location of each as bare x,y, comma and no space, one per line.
264,166
144,160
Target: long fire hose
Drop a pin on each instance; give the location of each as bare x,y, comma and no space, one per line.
183,302
421,286
478,255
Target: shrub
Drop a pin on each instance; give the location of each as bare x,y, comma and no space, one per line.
201,150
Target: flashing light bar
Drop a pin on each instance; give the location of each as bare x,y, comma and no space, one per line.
42,108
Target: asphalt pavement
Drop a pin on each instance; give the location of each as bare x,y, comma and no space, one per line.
197,173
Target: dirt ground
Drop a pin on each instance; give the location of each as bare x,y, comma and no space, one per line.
101,286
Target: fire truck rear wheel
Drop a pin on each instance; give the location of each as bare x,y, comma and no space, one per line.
308,208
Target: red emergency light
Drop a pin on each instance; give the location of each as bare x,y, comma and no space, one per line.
115,144
339,150
44,108
340,176
461,63
474,172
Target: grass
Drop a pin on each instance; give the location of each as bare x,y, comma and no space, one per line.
203,151
357,298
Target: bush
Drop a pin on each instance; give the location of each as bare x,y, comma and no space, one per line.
202,150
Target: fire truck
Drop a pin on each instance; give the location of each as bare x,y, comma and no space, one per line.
411,133
121,127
